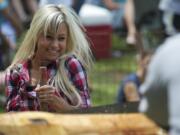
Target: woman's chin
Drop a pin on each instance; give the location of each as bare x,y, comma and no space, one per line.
52,58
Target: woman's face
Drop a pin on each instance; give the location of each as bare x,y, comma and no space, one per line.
51,46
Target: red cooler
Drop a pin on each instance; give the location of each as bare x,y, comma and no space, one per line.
100,40
98,25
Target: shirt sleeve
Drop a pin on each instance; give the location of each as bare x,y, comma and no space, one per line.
11,93
78,77
17,98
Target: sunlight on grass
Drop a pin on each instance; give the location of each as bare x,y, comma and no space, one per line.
103,93
107,75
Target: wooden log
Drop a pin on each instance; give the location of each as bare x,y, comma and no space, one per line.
42,123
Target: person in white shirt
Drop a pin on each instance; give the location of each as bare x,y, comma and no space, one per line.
169,8
161,88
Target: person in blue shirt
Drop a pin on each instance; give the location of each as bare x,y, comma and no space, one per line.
129,87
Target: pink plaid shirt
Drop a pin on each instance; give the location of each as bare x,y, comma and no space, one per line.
22,97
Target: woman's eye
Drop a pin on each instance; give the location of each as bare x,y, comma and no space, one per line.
49,37
61,38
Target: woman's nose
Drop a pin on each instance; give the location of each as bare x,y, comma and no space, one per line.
55,43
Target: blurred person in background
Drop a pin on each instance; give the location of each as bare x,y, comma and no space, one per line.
10,26
75,4
121,10
30,6
161,88
169,9
129,86
10,29
6,51
25,10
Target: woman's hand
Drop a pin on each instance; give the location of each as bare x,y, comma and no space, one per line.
47,96
44,93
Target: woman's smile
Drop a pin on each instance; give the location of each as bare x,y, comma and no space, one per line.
51,45
54,52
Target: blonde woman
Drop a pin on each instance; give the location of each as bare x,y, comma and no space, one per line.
56,41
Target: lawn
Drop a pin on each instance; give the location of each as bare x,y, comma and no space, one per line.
108,73
106,77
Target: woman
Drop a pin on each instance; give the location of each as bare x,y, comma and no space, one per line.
55,40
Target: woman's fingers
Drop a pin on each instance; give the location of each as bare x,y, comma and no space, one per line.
44,88
45,95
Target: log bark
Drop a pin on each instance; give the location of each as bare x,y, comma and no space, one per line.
42,123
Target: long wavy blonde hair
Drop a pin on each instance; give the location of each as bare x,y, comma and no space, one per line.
50,17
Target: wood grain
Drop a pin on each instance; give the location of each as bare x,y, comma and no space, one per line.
41,123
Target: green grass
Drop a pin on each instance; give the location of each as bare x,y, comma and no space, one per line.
108,73
106,76
1,110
